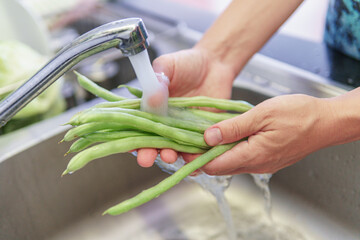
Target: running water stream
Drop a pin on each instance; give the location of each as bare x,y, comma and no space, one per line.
262,181
217,185
155,94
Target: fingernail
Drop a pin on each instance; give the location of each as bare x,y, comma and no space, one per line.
162,78
213,136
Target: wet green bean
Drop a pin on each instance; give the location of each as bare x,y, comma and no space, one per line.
202,101
80,145
127,103
124,145
169,121
168,182
134,91
87,128
114,135
96,137
96,89
212,116
176,134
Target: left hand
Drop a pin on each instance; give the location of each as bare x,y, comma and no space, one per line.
280,131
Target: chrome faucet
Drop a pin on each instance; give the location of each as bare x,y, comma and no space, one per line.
128,35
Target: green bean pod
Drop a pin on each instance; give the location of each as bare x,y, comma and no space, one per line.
96,137
168,182
203,101
80,145
134,91
176,134
124,145
199,101
127,103
212,116
169,121
87,128
114,135
96,89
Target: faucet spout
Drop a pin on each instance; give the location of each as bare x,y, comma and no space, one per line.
128,35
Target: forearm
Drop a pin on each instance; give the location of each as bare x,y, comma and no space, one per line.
345,112
243,29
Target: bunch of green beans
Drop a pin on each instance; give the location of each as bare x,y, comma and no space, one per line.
119,126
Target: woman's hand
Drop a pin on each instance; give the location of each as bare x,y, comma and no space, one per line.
191,72
280,132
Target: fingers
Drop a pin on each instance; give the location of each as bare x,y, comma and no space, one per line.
168,155
146,157
164,64
158,98
185,69
240,156
233,129
188,157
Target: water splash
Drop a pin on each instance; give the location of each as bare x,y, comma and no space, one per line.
262,181
216,185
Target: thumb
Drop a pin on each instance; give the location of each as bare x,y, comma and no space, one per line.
164,64
232,130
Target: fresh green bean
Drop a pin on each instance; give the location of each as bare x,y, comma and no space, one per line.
185,114
212,116
176,134
199,101
80,145
168,182
87,128
114,135
121,128
96,89
127,103
124,145
169,121
203,101
134,91
96,137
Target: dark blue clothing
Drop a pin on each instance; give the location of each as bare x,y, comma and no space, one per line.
342,30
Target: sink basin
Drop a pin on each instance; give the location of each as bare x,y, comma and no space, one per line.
317,198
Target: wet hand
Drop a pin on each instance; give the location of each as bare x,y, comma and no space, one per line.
191,73
279,132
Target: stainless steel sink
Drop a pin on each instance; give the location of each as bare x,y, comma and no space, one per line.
317,198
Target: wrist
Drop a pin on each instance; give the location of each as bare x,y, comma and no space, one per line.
213,63
345,117
243,29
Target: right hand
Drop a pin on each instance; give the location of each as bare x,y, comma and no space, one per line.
192,72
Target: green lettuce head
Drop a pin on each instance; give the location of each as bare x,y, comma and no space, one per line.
18,63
